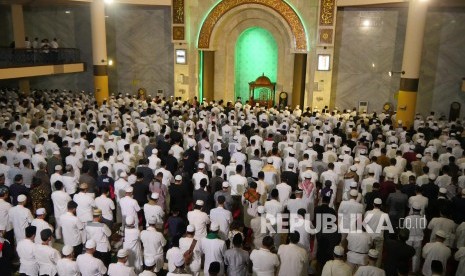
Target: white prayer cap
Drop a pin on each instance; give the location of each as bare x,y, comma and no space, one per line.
432,176
353,168
373,253
67,250
307,175
190,228
339,250
40,211
239,147
310,144
378,201
129,189
179,260
214,226
154,151
418,156
178,177
58,168
199,202
38,148
261,209
73,150
119,158
90,244
123,174
151,220
226,184
122,253
269,160
442,190
201,165
56,152
442,234
21,198
155,196
416,206
353,193
353,184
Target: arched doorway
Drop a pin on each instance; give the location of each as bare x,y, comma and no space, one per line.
256,53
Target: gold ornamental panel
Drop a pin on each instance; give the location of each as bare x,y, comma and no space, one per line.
281,7
178,11
326,36
178,33
327,13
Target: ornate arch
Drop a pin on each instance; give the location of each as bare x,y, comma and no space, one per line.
281,7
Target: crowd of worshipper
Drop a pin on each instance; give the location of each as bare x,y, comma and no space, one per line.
162,186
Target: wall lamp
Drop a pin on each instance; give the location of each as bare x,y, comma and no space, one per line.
390,73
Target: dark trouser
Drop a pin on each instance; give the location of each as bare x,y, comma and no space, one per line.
105,257
78,250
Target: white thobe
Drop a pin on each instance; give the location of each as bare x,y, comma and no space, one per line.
67,267
294,260
84,209
72,229
47,257
120,269
153,242
129,208
90,266
214,250
153,211
20,218
264,262
435,251
26,253
40,225
132,244
223,218
4,217
99,232
200,220
60,201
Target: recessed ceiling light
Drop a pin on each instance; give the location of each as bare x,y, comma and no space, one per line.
68,12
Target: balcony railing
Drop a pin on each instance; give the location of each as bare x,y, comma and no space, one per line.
10,57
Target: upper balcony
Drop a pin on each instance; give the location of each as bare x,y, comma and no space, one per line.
22,63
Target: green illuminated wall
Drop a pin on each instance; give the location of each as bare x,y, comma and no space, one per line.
256,53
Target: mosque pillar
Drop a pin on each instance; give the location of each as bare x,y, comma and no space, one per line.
208,81
20,42
99,50
298,87
413,45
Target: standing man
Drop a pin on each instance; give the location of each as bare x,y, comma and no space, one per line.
222,217
67,265
337,266
20,217
120,268
89,265
153,243
26,253
85,203
46,256
72,228
60,201
436,250
100,233
264,262
294,259
213,248
199,220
